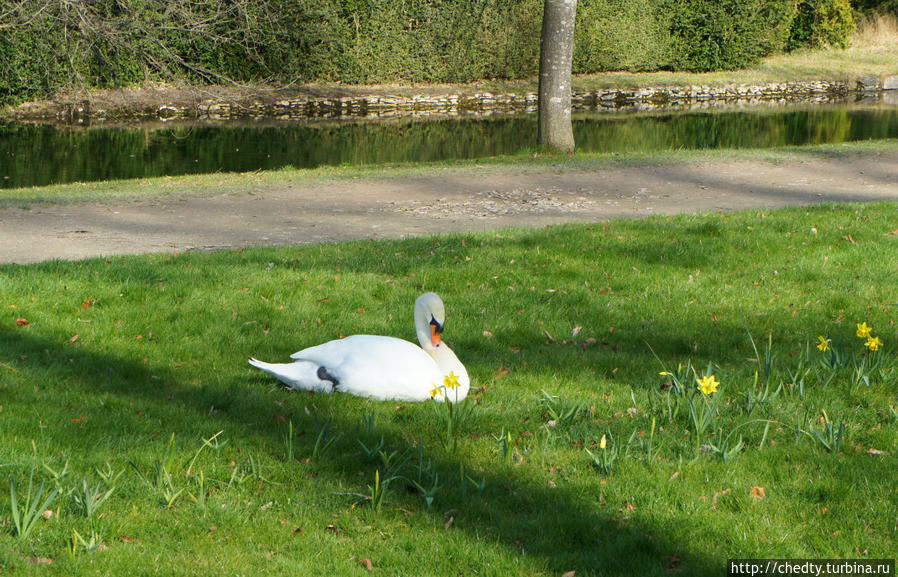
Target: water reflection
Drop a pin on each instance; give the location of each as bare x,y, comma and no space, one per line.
34,155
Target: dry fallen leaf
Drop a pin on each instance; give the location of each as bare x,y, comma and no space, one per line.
757,492
89,302
488,334
569,574
367,564
21,322
872,451
40,560
73,339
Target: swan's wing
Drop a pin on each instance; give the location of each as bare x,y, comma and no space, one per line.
336,351
377,367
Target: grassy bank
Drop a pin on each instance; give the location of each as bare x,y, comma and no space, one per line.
129,375
874,51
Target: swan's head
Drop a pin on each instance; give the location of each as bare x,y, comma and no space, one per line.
430,317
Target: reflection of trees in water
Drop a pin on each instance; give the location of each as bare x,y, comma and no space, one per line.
40,154
738,129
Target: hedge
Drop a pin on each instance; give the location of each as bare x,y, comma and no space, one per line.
105,43
726,34
821,23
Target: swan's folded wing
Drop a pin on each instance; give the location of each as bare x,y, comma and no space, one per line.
377,367
334,352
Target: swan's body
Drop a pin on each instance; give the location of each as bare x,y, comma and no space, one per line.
380,367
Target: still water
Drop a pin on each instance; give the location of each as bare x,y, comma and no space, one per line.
36,155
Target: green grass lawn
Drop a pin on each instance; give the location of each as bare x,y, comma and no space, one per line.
129,374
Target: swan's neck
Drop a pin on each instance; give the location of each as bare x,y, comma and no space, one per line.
424,337
422,328
448,363
428,307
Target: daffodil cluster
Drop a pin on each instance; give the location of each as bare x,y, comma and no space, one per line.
450,382
864,331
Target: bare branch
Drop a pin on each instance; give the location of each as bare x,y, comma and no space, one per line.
103,39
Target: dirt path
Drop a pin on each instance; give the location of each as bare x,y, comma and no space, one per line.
302,212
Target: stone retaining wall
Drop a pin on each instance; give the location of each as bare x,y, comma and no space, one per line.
481,103
487,103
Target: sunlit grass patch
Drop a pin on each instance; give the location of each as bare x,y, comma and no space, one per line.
876,33
124,388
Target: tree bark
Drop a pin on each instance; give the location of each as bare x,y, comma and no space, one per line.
556,54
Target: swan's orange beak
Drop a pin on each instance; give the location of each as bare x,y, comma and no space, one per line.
435,334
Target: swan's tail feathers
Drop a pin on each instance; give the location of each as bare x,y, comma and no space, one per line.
300,375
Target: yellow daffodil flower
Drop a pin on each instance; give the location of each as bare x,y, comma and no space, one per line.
863,331
603,443
823,345
665,374
435,392
451,380
708,385
873,343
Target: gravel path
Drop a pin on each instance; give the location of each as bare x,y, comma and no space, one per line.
302,212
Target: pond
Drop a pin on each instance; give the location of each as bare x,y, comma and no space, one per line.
37,155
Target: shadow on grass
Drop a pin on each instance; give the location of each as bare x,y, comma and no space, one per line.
563,529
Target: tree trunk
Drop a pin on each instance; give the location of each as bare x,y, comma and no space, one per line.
556,54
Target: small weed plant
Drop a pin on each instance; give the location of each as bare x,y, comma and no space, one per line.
25,519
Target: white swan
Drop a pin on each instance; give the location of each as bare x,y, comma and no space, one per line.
381,367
